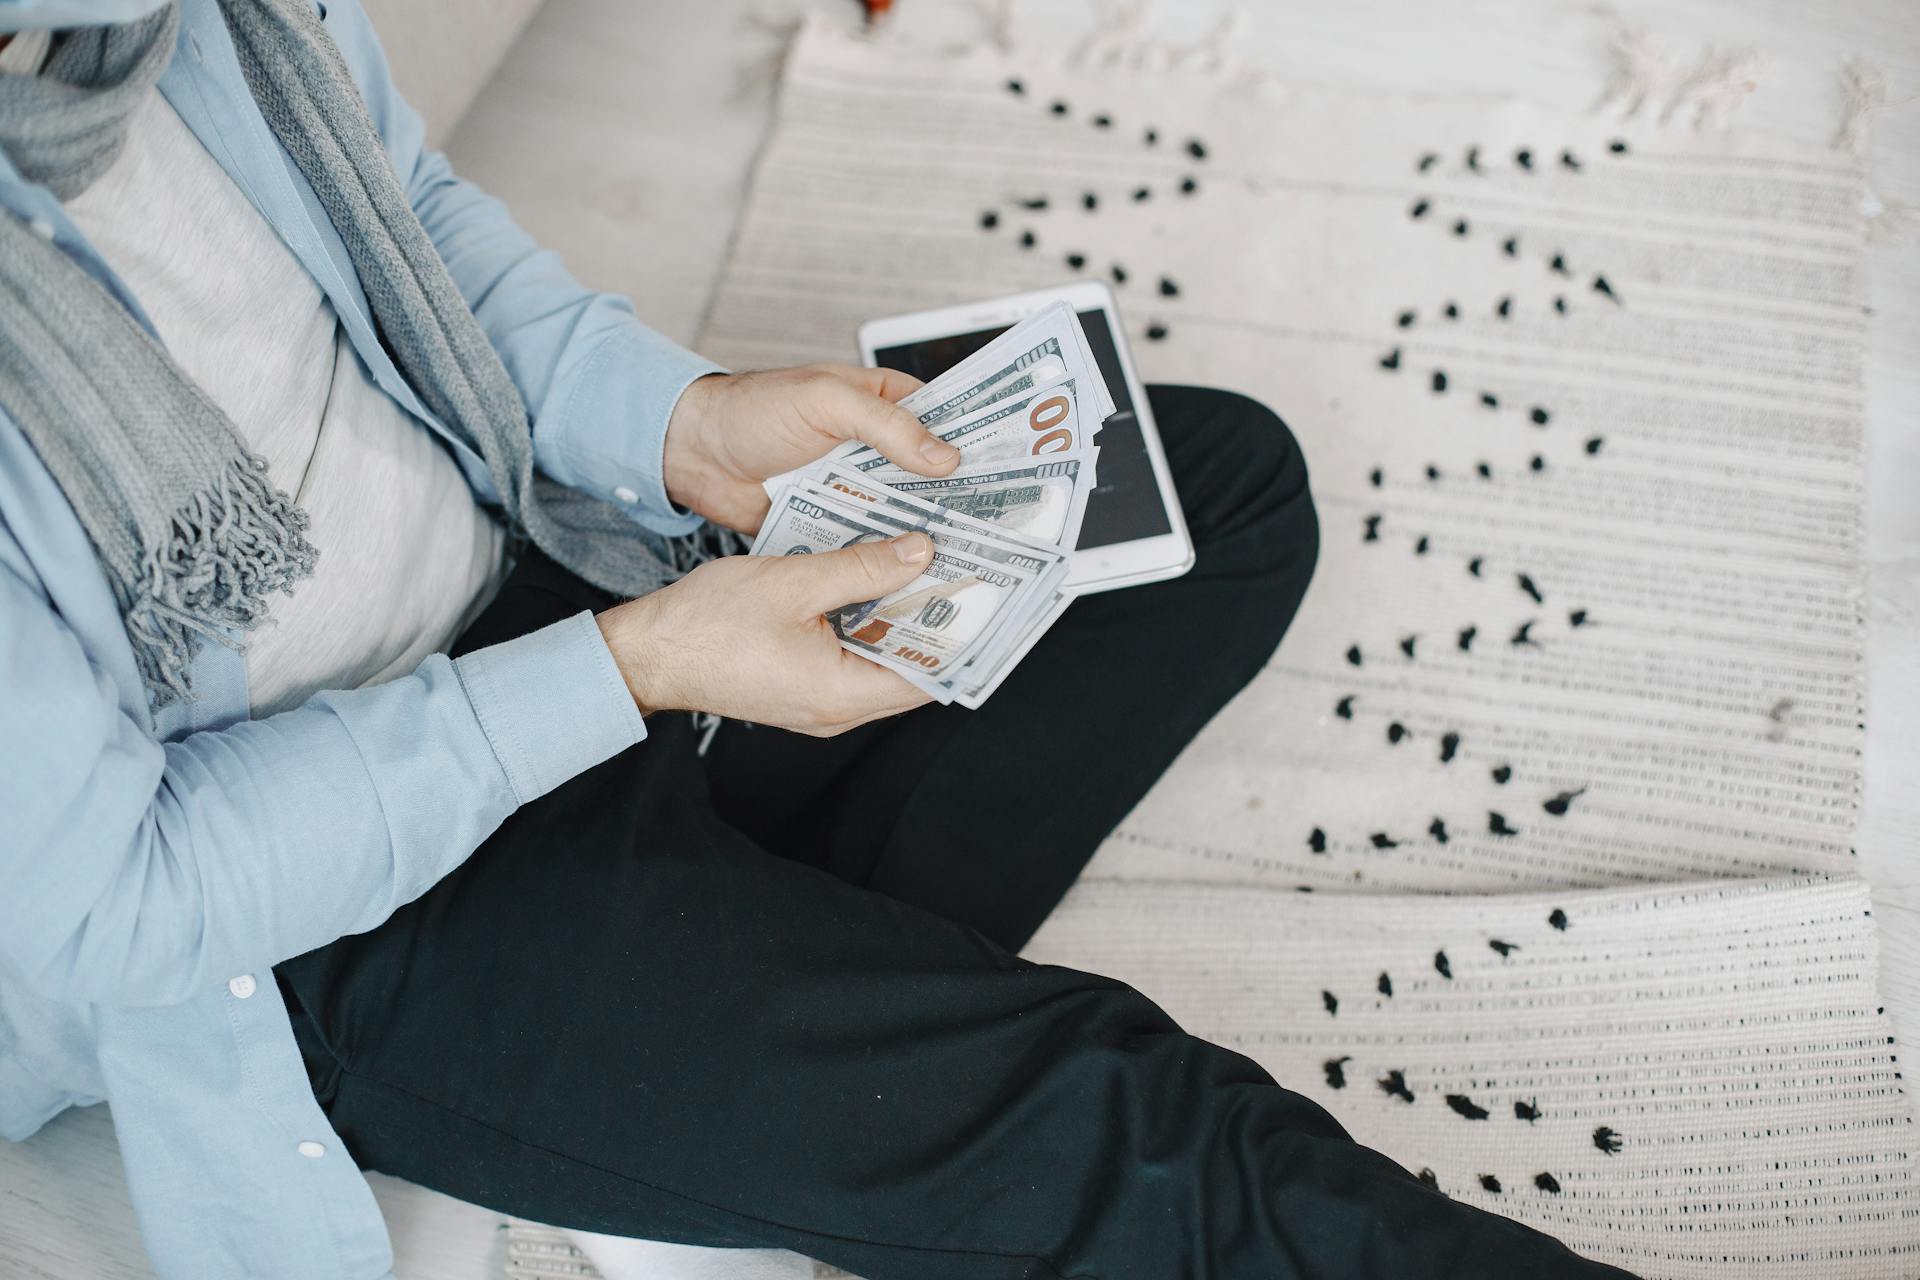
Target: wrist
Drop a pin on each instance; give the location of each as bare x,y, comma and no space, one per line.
687,468
629,631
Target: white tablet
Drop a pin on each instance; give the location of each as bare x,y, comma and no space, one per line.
1134,531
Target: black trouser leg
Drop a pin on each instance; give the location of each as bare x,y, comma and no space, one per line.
622,1014
987,816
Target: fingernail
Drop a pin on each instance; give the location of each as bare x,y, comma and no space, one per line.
912,548
938,452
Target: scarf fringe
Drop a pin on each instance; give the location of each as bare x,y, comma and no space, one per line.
225,554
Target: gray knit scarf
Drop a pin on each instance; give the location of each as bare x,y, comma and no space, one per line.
192,535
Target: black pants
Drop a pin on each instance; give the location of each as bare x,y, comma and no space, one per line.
767,997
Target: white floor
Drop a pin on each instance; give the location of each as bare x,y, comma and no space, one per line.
622,134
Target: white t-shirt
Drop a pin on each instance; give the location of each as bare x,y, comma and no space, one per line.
406,554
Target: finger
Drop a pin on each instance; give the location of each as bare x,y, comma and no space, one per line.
864,572
888,384
855,413
869,691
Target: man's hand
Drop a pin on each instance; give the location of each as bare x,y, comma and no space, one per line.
731,431
744,637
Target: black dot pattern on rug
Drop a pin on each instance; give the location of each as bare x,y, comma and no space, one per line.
1460,227
1353,655
1560,304
1405,319
1151,137
1528,1110
1511,246
1506,949
1504,308
1605,289
1439,380
1396,733
1490,1183
1059,108
1558,919
1196,148
1394,1084
1618,146
1465,638
1595,444
1559,805
1484,470
1523,158
1156,332
1141,194
1336,1071
1090,201
989,220
1421,548
1381,840
1489,399
1523,634
1438,830
1497,824
1168,289
1427,161
1577,618
1317,841
1466,1107
1119,274
1547,1182
1536,463
1409,643
1428,1180
1503,774
1449,742
1607,1140
1103,122
1076,260
1442,965
1384,985
1391,360
1028,240
1570,161
1376,477
1473,565
1035,203
1188,186
1451,311
1344,707
1331,1001
1539,415
1473,159
1559,264
1016,87
1525,582
1433,472
1419,209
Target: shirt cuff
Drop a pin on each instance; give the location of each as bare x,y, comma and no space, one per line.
610,437
551,703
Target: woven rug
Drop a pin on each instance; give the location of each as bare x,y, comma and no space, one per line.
1530,854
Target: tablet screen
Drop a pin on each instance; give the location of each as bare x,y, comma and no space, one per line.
1125,506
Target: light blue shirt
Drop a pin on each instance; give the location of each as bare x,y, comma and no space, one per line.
153,868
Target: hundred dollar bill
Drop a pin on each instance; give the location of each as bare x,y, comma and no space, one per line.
1044,421
924,628
1041,499
1051,337
976,681
899,513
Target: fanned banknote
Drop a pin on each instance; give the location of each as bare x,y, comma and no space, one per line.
1025,412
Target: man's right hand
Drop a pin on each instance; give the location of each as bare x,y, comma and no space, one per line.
745,637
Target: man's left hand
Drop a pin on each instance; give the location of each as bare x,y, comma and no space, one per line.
731,431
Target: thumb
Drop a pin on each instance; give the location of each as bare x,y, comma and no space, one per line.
863,572
871,419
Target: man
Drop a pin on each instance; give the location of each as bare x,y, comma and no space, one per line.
351,819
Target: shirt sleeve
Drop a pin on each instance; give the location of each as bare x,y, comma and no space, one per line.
600,386
141,872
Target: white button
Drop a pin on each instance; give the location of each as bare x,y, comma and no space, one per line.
626,495
42,226
311,1150
242,986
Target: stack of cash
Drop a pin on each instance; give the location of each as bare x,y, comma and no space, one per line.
1023,411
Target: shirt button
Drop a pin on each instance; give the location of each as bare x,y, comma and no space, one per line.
626,495
42,226
311,1150
242,986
